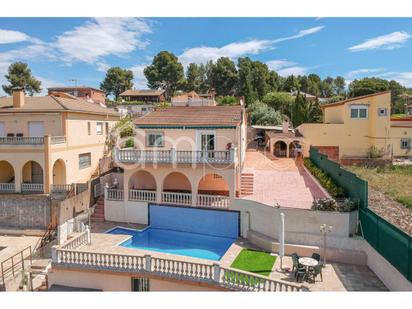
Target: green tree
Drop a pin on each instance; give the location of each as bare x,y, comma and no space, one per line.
261,114
280,101
19,75
223,76
165,72
327,87
367,85
194,78
291,83
299,110
227,100
117,80
339,85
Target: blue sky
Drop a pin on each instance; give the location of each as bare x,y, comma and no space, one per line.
60,49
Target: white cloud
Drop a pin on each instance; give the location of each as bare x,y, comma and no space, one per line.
404,78
203,54
285,67
139,81
102,66
300,34
39,50
102,37
279,64
389,41
11,36
363,72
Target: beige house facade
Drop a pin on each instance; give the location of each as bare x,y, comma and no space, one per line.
352,127
50,141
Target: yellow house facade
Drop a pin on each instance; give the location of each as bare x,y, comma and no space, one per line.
50,141
351,128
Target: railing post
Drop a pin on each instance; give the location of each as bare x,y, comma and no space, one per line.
148,263
54,254
232,152
106,188
216,273
89,238
173,154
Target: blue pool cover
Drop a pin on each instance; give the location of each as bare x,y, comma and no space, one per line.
175,242
195,220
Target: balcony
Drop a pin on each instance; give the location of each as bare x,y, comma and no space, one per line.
172,198
175,156
31,141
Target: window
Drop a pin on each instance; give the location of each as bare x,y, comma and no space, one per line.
107,128
99,128
140,285
89,128
405,143
155,139
85,160
382,111
359,111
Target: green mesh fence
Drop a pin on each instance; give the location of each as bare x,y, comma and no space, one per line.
392,243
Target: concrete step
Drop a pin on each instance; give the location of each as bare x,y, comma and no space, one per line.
97,215
97,219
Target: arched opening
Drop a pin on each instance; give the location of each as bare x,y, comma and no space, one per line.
6,177
6,172
32,173
213,184
142,180
59,172
280,149
177,182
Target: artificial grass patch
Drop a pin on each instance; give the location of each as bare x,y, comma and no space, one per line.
254,261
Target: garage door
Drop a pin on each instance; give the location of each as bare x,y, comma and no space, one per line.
36,128
194,220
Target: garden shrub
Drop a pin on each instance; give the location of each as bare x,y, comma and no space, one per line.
324,179
129,143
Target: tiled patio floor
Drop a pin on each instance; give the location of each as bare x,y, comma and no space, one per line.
281,181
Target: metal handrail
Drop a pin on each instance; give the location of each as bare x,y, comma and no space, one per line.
4,270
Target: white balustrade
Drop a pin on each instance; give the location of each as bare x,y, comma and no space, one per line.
216,201
77,241
142,195
7,187
175,268
32,187
168,267
177,198
33,140
114,195
58,140
55,188
175,156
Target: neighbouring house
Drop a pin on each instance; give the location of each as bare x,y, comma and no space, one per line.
50,141
90,94
133,110
353,127
193,99
409,110
144,95
308,96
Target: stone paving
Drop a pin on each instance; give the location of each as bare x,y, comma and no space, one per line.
282,181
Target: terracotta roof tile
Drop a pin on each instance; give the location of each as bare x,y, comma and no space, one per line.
144,92
197,115
354,99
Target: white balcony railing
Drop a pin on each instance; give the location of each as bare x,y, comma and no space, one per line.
216,201
58,140
36,140
61,188
32,187
177,198
7,187
174,156
114,195
142,195
72,255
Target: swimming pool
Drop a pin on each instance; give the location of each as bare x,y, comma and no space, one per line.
176,242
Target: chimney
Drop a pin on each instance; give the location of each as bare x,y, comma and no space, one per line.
285,126
18,97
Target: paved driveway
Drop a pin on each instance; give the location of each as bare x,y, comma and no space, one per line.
281,181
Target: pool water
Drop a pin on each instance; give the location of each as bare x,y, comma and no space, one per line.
175,242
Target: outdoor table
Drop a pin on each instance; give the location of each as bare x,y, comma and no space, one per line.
308,262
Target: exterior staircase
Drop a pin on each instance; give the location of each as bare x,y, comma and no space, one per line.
246,184
98,214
